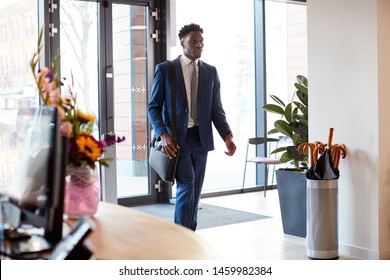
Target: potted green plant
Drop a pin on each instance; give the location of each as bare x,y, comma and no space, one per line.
291,181
293,123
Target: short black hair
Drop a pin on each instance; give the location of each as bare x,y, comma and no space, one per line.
189,28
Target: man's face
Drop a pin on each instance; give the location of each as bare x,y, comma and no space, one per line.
192,45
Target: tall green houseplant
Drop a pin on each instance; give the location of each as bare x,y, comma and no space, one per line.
293,123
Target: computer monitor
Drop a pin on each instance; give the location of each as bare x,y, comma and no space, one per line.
37,191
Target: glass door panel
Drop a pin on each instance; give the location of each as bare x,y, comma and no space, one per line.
79,52
129,33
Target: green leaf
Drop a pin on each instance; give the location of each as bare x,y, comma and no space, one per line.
40,45
277,100
295,112
288,113
293,152
273,131
302,80
285,157
91,164
282,127
301,88
299,128
272,108
301,107
297,140
303,97
302,119
278,150
103,162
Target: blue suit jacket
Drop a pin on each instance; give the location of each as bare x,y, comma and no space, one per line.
209,104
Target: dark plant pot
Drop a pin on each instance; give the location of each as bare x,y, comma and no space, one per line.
292,199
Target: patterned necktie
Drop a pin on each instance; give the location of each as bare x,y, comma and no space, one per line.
194,92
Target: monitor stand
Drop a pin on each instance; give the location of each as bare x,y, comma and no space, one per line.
27,239
32,244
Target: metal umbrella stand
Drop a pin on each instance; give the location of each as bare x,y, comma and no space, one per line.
322,222
322,198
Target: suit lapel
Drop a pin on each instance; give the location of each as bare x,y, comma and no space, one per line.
202,78
180,78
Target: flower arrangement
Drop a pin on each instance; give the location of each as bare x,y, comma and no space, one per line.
84,148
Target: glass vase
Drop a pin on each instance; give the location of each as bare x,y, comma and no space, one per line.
82,192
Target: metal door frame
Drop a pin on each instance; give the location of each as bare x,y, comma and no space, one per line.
156,50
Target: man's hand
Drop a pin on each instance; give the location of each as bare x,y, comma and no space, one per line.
169,148
231,147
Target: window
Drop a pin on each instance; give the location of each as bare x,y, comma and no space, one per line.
286,49
16,85
229,46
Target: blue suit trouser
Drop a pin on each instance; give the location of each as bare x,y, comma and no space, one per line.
190,174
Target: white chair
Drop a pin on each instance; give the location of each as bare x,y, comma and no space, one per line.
267,161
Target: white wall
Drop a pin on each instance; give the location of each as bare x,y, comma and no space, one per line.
349,92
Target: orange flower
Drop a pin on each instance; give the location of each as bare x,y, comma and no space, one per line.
89,146
85,116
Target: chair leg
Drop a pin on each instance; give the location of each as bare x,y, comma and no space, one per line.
243,180
266,180
246,161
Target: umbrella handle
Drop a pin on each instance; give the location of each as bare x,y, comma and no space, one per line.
319,143
307,149
336,159
318,150
330,137
339,150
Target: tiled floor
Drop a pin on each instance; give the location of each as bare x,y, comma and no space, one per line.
263,239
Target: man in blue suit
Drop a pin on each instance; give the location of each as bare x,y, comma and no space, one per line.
195,115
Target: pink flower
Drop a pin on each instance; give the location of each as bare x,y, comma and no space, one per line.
66,128
61,113
46,85
43,72
55,97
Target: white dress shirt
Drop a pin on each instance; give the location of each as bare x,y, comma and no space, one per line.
186,68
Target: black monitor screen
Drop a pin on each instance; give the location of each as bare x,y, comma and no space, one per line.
38,184
33,174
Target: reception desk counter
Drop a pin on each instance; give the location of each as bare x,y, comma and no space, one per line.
122,233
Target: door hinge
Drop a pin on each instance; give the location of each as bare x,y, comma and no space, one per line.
52,30
159,186
52,6
155,14
156,35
